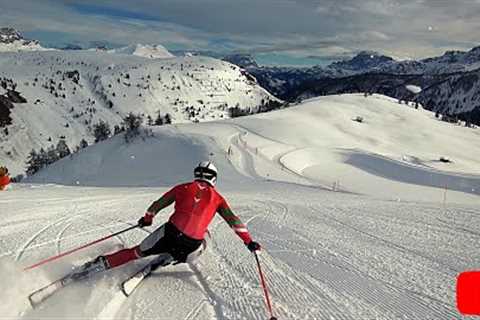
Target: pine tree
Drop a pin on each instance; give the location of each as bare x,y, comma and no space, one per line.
101,131
132,125
62,149
42,158
36,161
159,120
83,144
168,119
33,163
52,155
117,129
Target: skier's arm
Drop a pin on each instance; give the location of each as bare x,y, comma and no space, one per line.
234,222
166,200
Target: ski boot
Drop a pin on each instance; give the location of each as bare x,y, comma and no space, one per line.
99,264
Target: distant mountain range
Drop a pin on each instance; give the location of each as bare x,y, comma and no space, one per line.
450,84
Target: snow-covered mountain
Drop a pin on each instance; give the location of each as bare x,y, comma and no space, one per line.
450,62
451,81
48,95
12,41
244,60
362,62
147,51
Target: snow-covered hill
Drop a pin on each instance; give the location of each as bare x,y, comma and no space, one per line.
394,152
68,92
391,252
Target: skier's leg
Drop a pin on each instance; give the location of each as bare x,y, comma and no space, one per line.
192,257
121,257
183,246
154,240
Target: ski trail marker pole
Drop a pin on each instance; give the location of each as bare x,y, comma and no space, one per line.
264,285
79,248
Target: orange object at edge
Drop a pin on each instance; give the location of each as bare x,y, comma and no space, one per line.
4,181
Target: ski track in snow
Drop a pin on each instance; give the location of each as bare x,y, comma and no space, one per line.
36,235
344,279
314,270
327,255
60,236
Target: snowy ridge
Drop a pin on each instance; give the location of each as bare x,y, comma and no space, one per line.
67,93
146,51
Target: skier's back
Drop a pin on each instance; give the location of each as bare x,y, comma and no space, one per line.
196,203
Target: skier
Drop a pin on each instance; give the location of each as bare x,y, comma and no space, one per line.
4,178
179,240
183,235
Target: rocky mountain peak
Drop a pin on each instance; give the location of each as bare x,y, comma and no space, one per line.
9,35
364,60
242,60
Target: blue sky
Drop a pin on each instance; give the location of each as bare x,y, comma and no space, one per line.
277,31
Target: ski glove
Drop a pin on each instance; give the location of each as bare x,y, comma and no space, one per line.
146,220
254,246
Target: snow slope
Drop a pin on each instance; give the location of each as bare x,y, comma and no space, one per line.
327,255
394,153
68,92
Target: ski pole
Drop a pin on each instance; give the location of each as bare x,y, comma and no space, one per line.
79,248
264,285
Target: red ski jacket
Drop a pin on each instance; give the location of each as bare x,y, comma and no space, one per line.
195,206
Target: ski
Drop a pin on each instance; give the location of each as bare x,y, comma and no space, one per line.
129,285
79,273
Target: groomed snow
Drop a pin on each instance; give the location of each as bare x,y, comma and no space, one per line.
352,253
